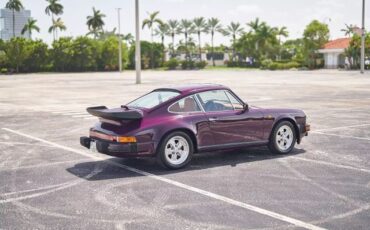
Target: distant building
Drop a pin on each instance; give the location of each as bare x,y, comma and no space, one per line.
6,23
334,52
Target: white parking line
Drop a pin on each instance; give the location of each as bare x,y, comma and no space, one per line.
82,116
339,135
256,209
40,165
90,118
341,127
330,164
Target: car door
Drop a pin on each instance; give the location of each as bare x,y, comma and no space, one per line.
229,123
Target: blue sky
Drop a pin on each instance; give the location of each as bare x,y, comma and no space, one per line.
295,14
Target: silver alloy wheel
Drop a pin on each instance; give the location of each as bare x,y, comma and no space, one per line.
177,150
284,137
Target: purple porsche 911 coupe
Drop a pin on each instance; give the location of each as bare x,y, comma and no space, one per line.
174,123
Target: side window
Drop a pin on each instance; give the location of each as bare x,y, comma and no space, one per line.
215,100
236,104
185,105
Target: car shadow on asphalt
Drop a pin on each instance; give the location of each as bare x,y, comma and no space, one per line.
105,170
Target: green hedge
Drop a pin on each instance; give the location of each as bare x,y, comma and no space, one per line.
65,54
272,65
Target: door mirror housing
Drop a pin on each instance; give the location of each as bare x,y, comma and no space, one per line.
245,108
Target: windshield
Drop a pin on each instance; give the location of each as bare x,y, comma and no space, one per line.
152,99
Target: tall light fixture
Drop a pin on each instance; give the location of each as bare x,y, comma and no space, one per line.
137,46
363,38
119,41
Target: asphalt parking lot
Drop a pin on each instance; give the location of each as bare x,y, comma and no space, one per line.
48,181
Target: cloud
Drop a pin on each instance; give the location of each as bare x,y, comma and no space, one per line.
246,10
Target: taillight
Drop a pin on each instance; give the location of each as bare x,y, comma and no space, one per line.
126,139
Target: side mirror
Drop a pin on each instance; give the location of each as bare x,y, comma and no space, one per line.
245,107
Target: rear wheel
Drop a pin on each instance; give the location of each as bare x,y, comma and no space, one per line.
283,138
176,150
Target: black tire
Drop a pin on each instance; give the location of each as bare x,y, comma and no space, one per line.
161,157
273,143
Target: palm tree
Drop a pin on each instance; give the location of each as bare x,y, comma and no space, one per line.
151,21
173,29
256,26
200,27
95,22
57,24
214,26
162,31
348,31
14,5
233,30
187,28
129,38
29,26
54,8
282,32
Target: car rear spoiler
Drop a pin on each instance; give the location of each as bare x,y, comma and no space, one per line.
117,114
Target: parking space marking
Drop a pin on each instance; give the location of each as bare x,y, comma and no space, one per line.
40,165
339,135
330,164
61,187
250,207
341,127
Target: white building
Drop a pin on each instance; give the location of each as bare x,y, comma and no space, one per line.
334,52
6,23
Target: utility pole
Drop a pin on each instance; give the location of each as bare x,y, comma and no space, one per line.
119,41
363,38
137,45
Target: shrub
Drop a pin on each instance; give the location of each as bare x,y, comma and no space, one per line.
201,64
242,64
187,64
271,65
3,70
151,55
171,64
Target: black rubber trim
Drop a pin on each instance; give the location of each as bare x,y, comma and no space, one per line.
104,112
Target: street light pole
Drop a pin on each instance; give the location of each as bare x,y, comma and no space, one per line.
119,41
363,38
137,45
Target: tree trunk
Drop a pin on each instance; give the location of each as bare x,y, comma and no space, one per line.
14,24
200,48
173,45
186,46
151,49
234,37
52,19
164,51
213,58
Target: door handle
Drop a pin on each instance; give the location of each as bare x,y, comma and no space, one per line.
213,119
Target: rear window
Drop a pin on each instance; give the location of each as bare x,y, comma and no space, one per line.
153,99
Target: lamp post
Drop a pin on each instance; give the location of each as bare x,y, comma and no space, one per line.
119,41
363,38
137,45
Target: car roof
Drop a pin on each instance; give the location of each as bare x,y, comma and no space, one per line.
193,88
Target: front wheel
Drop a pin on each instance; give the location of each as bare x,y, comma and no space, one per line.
176,150
283,138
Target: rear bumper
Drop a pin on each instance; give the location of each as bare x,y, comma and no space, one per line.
118,149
